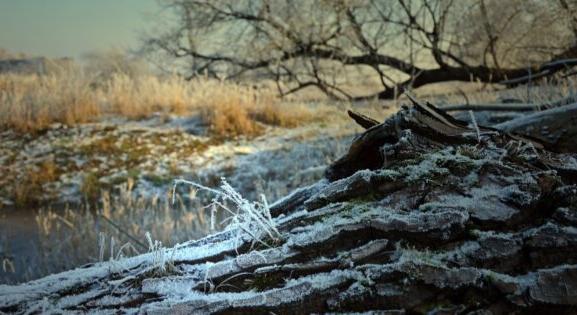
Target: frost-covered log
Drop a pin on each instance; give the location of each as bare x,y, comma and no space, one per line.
423,215
557,127
514,106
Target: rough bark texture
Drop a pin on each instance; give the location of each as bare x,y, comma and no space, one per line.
423,215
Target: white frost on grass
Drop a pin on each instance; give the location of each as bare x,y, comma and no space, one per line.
159,254
252,218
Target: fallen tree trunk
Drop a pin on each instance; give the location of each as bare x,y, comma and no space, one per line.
423,215
520,107
556,127
517,107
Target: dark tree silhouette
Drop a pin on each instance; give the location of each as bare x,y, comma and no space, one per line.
404,43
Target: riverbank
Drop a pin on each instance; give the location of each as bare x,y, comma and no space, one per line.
68,189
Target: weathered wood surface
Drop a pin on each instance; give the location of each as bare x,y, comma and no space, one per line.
556,127
423,215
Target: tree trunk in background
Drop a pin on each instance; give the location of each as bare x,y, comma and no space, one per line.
424,214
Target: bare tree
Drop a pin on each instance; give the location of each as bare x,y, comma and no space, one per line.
403,43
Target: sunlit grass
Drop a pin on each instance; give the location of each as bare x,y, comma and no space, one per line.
31,103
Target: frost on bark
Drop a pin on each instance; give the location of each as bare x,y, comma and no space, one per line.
425,214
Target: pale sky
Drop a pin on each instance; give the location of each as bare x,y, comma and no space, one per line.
60,28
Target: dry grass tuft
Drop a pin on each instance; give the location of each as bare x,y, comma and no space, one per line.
242,110
225,108
285,115
30,102
229,119
140,97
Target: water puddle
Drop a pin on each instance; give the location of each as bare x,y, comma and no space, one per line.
38,242
19,239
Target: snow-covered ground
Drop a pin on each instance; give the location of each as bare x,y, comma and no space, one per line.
64,164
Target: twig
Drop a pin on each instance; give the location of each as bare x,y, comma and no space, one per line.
474,122
124,232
